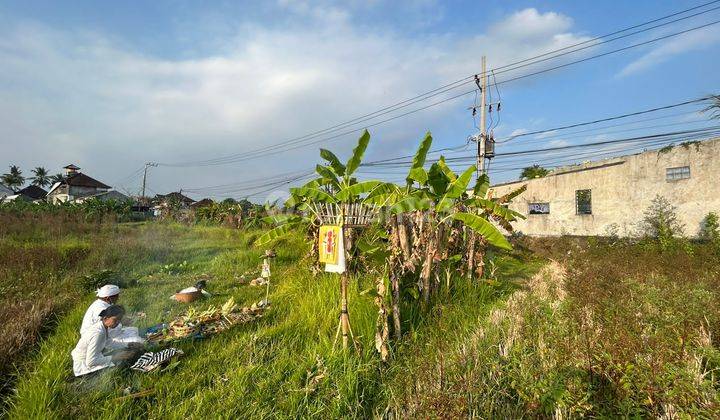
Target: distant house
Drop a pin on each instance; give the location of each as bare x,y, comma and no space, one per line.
163,202
75,185
33,192
173,198
105,196
205,202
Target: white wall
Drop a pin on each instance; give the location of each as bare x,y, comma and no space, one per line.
622,189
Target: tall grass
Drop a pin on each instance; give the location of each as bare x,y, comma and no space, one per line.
606,330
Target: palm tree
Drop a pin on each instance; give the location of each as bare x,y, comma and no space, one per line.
14,178
41,177
535,171
57,178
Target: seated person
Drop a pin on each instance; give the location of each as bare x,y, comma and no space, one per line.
92,352
119,337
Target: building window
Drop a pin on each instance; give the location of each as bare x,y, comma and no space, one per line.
673,174
583,202
539,208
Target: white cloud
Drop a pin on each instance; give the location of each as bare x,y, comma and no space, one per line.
691,41
546,134
87,98
518,131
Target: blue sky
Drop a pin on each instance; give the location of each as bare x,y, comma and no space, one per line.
111,85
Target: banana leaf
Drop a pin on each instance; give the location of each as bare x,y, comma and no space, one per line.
358,153
484,228
329,156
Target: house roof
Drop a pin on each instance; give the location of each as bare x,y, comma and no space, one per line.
71,166
34,192
205,202
107,195
174,196
81,180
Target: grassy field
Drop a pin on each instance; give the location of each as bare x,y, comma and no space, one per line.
563,328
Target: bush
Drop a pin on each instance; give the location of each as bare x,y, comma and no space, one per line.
661,226
710,229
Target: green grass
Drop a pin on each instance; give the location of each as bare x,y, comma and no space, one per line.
283,365
626,331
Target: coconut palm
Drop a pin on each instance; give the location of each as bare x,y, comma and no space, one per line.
56,178
41,178
14,178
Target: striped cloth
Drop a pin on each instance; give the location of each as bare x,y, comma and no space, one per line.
150,361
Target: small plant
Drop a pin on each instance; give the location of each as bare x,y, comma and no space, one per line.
175,268
710,229
660,223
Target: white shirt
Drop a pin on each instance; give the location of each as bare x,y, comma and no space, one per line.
92,315
88,354
118,337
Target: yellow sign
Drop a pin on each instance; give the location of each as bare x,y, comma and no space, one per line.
329,243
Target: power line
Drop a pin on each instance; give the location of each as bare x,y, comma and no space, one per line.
630,144
283,147
616,117
531,151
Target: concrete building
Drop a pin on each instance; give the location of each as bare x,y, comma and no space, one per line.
610,196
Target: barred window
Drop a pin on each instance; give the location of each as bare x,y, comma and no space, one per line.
583,202
673,174
539,208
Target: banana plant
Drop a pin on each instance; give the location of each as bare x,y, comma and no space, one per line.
436,203
335,184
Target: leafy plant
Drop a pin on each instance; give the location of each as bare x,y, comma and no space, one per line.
660,223
14,179
534,171
710,229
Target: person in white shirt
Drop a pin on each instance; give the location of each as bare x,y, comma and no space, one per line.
92,352
120,337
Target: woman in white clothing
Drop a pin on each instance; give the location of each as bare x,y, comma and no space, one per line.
90,354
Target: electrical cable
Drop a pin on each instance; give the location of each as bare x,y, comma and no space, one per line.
263,151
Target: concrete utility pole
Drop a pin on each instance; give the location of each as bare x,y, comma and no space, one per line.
147,165
483,126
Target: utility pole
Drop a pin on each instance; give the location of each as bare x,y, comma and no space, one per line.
147,165
483,127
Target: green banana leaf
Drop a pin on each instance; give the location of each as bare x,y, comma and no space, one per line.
484,228
327,173
409,204
446,169
417,174
481,186
437,180
455,190
275,233
329,156
358,153
356,190
313,193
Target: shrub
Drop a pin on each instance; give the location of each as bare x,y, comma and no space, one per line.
661,225
710,229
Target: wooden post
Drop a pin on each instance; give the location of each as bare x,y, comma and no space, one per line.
344,316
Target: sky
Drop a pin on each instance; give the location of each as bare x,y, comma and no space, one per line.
110,86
